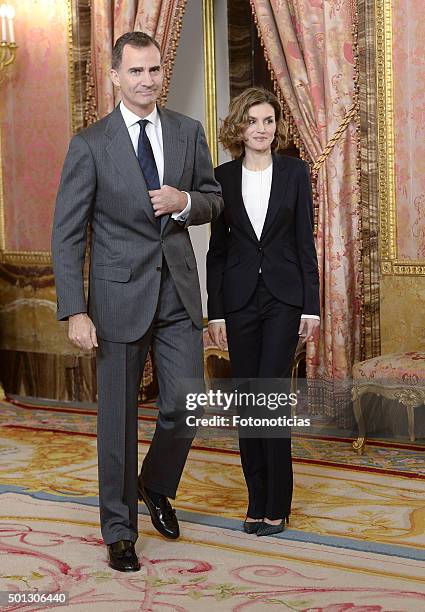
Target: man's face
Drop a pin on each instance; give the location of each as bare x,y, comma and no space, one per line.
140,78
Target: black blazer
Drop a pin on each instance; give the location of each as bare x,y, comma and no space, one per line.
285,252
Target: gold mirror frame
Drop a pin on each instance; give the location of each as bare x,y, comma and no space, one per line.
390,263
210,78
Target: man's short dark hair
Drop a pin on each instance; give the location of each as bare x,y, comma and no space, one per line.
134,39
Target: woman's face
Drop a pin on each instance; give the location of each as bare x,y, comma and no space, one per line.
258,135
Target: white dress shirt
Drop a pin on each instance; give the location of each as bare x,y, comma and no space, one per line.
256,187
154,133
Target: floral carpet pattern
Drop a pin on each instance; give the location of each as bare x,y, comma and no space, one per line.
328,501
354,544
222,569
391,457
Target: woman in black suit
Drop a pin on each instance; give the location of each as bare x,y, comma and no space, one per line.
263,283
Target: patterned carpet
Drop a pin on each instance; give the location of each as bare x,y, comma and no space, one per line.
391,457
355,542
219,568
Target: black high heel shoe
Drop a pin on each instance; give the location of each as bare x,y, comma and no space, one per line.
266,529
251,526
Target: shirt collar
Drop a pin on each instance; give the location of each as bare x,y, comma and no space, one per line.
131,118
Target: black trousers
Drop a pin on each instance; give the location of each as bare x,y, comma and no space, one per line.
262,339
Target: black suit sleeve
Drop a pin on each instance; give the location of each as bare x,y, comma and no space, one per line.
305,243
216,260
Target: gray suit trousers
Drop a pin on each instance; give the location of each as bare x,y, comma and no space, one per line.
178,354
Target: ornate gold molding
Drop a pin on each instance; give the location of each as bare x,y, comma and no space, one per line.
171,38
390,264
2,222
384,70
210,78
72,32
39,257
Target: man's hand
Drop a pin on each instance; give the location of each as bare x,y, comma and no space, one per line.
308,328
167,200
82,332
217,332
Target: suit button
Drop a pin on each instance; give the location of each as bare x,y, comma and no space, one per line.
260,248
158,268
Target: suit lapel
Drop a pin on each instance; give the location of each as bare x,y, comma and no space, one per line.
277,191
174,144
120,149
174,147
239,205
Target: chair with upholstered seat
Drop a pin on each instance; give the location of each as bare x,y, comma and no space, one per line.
397,376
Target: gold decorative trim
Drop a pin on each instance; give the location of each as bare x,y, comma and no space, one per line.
74,119
2,220
30,258
354,6
172,41
371,333
210,78
39,257
384,86
350,115
407,268
390,264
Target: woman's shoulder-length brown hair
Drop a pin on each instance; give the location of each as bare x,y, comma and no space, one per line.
230,134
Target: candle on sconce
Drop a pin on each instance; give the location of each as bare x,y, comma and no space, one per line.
3,13
10,17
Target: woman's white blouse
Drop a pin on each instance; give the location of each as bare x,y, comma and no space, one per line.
256,186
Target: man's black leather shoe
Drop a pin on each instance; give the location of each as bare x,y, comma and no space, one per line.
163,516
122,556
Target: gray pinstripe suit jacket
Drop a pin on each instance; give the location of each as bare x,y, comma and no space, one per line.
102,184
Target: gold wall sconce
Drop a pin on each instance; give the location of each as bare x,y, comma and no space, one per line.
8,46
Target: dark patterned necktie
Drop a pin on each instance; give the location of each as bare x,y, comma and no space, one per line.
147,162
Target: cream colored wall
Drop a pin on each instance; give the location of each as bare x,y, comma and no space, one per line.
186,94
402,303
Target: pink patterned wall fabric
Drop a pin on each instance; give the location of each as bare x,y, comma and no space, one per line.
35,126
310,46
409,126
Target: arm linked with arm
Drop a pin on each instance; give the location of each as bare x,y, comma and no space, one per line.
205,196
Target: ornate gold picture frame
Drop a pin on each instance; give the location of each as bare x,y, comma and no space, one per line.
391,264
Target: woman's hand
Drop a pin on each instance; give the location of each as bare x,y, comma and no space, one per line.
308,328
217,332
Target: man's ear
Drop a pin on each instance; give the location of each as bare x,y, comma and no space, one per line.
113,74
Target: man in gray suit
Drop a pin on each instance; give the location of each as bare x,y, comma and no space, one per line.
140,177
